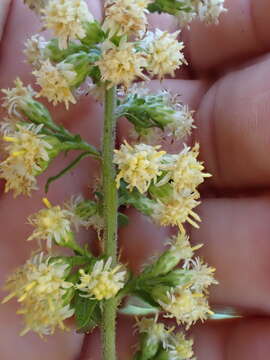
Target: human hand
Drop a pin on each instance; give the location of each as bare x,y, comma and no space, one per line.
226,83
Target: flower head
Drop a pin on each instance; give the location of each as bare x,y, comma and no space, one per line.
182,122
66,18
156,331
17,97
180,348
51,224
122,64
180,245
139,165
55,81
186,171
202,275
36,5
186,306
125,17
39,286
103,282
164,53
209,11
26,150
176,211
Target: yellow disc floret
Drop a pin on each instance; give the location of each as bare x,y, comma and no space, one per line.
103,282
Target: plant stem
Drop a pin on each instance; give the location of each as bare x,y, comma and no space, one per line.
110,219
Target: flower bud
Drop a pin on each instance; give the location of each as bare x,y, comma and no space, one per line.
57,55
82,63
148,346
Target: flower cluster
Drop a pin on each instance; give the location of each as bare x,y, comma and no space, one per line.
171,179
28,153
157,339
40,286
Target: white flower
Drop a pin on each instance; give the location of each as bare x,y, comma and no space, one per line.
66,18
164,53
156,332
121,65
182,123
55,81
39,286
139,165
103,282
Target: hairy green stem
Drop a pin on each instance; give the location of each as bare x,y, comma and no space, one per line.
110,219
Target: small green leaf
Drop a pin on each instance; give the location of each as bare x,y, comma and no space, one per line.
137,306
84,309
123,219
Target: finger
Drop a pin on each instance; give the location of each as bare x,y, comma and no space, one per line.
241,34
236,237
235,233
4,7
233,126
215,340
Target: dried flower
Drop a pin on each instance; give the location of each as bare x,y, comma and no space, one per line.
51,224
36,5
164,53
34,50
55,81
17,97
156,332
103,282
122,64
202,275
27,149
125,17
209,11
39,286
66,18
138,165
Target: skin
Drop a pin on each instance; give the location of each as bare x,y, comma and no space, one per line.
227,83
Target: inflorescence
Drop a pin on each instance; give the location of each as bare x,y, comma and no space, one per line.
116,52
